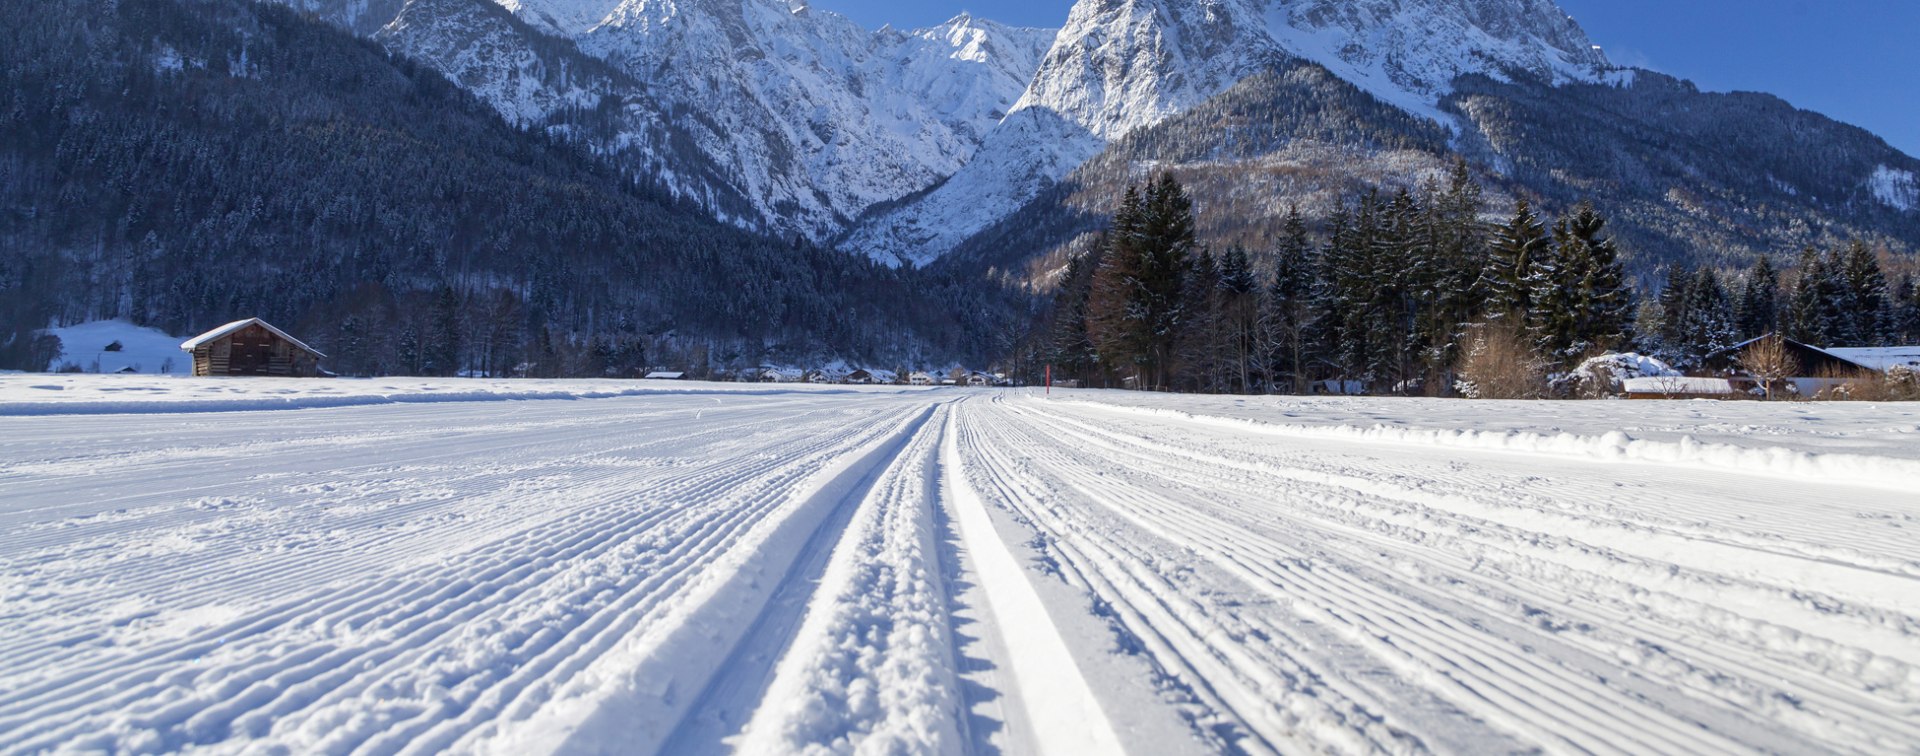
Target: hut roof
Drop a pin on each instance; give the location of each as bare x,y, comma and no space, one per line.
1878,358
215,334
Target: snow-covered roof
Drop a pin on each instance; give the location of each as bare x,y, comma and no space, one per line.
194,343
1878,358
1674,384
666,375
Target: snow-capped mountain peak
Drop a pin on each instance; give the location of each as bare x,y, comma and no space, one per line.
1120,65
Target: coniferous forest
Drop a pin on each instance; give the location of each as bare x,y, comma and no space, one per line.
1415,292
185,163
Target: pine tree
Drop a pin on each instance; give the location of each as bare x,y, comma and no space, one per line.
1864,306
1239,294
1289,313
1605,307
1198,338
1756,312
1906,309
1516,248
1553,319
1815,317
1392,260
1339,293
1667,337
1456,263
1136,307
1071,349
444,352
1708,328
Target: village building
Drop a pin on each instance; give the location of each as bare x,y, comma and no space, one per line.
666,375
781,375
872,377
825,375
1883,359
251,347
922,378
978,379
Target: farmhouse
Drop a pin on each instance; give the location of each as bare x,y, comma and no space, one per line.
921,378
781,375
872,376
251,347
1810,360
1883,359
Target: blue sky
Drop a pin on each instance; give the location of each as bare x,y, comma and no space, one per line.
1855,60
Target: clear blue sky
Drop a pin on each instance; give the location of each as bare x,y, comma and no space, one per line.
1855,60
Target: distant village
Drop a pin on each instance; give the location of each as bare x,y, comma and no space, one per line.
1769,367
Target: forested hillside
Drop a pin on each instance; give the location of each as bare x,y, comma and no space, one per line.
183,163
1691,178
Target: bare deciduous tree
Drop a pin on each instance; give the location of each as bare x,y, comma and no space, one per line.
1769,361
1501,362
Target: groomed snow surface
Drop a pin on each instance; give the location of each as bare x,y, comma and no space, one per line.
351,566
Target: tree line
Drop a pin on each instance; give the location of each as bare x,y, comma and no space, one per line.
1402,293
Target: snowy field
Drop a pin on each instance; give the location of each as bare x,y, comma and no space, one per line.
414,566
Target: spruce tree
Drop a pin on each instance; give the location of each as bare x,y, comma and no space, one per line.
1239,293
1667,339
1709,327
1814,317
1757,310
1136,308
1906,311
1071,350
1198,336
1457,262
1605,307
1394,264
1517,246
1340,294
1554,320
1288,316
1864,306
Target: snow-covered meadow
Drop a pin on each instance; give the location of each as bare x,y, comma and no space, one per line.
412,565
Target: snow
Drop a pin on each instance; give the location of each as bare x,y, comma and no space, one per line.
67,394
1678,384
704,568
213,335
1611,370
145,350
1118,67
1896,188
1878,358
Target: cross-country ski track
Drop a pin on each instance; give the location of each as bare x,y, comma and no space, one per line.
945,571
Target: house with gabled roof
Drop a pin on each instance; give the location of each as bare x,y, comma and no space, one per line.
252,347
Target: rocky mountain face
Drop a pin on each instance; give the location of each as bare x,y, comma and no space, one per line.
1686,177
906,146
771,114
1121,65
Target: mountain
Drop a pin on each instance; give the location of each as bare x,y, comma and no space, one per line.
771,114
1687,177
181,163
1121,65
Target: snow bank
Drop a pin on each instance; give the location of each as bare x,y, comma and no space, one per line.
1866,469
142,350
68,394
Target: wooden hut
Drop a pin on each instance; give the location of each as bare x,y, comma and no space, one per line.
252,347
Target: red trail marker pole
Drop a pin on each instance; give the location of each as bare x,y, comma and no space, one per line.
1049,380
